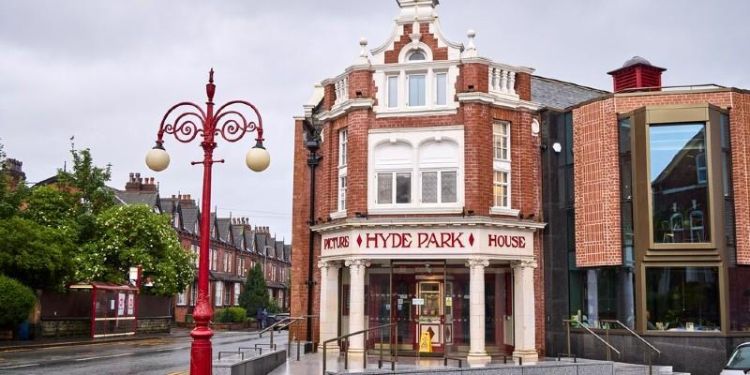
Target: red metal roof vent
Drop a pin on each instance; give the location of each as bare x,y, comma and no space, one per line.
637,74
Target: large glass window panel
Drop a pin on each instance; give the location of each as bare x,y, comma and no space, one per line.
385,188
429,187
682,299
440,88
448,187
392,91
403,187
679,189
416,90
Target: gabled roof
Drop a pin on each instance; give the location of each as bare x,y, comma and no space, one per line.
238,235
190,217
222,225
149,198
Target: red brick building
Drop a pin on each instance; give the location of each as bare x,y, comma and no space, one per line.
427,201
236,247
647,201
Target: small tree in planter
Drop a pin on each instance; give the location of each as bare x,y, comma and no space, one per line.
255,295
16,302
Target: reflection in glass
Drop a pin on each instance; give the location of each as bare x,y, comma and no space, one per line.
403,187
682,299
679,185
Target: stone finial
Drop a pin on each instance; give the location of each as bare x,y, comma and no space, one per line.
471,49
364,57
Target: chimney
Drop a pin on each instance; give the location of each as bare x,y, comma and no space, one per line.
149,185
637,74
133,184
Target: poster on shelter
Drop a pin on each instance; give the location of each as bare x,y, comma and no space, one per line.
131,303
120,304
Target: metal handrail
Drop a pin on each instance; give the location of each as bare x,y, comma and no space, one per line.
287,322
609,347
648,344
621,324
394,353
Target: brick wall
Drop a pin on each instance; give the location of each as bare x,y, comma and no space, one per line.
740,138
473,77
597,185
391,56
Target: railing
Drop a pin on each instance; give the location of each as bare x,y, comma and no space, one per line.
502,80
648,356
393,341
610,348
287,323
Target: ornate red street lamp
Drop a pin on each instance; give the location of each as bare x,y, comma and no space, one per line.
187,121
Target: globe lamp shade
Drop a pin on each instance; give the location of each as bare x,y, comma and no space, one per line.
157,159
258,158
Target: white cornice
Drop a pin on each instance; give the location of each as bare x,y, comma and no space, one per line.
416,113
511,102
341,109
430,222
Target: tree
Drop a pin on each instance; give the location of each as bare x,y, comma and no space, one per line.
87,183
10,199
36,255
16,302
255,295
129,236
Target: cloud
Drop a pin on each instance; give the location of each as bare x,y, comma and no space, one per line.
106,71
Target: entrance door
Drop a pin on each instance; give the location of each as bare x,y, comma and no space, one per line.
431,313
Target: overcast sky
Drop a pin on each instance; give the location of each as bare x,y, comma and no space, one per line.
106,71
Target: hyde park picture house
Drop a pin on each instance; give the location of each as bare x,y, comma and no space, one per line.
486,211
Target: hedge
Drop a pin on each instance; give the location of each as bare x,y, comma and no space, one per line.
16,302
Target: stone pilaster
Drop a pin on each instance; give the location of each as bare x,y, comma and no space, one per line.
329,296
478,356
523,311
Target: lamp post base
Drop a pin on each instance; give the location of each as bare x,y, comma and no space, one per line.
200,351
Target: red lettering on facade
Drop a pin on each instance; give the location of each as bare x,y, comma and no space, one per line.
333,243
504,240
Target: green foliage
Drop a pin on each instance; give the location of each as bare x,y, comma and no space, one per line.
36,255
87,183
128,236
273,307
16,302
10,199
230,315
255,295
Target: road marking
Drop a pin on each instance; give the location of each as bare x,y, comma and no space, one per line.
20,366
103,356
185,372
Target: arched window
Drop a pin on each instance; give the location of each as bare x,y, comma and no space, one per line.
417,55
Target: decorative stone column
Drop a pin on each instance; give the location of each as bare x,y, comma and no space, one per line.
478,356
523,311
329,298
357,269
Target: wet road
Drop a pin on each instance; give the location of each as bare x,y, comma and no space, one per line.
159,356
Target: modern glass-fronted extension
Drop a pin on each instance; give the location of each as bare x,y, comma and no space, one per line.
467,285
676,279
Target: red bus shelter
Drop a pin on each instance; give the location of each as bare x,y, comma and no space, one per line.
113,308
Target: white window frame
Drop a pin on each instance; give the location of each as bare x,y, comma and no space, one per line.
237,292
502,163
439,183
436,96
219,293
414,137
342,180
427,92
391,83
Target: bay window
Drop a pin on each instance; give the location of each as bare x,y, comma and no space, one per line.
416,170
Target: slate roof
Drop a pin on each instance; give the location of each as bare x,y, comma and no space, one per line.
237,235
250,240
223,226
560,95
150,198
190,217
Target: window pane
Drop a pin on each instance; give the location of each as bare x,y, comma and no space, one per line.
403,187
393,92
342,193
679,183
501,139
501,189
417,56
448,187
440,89
385,188
429,187
682,299
416,90
342,147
